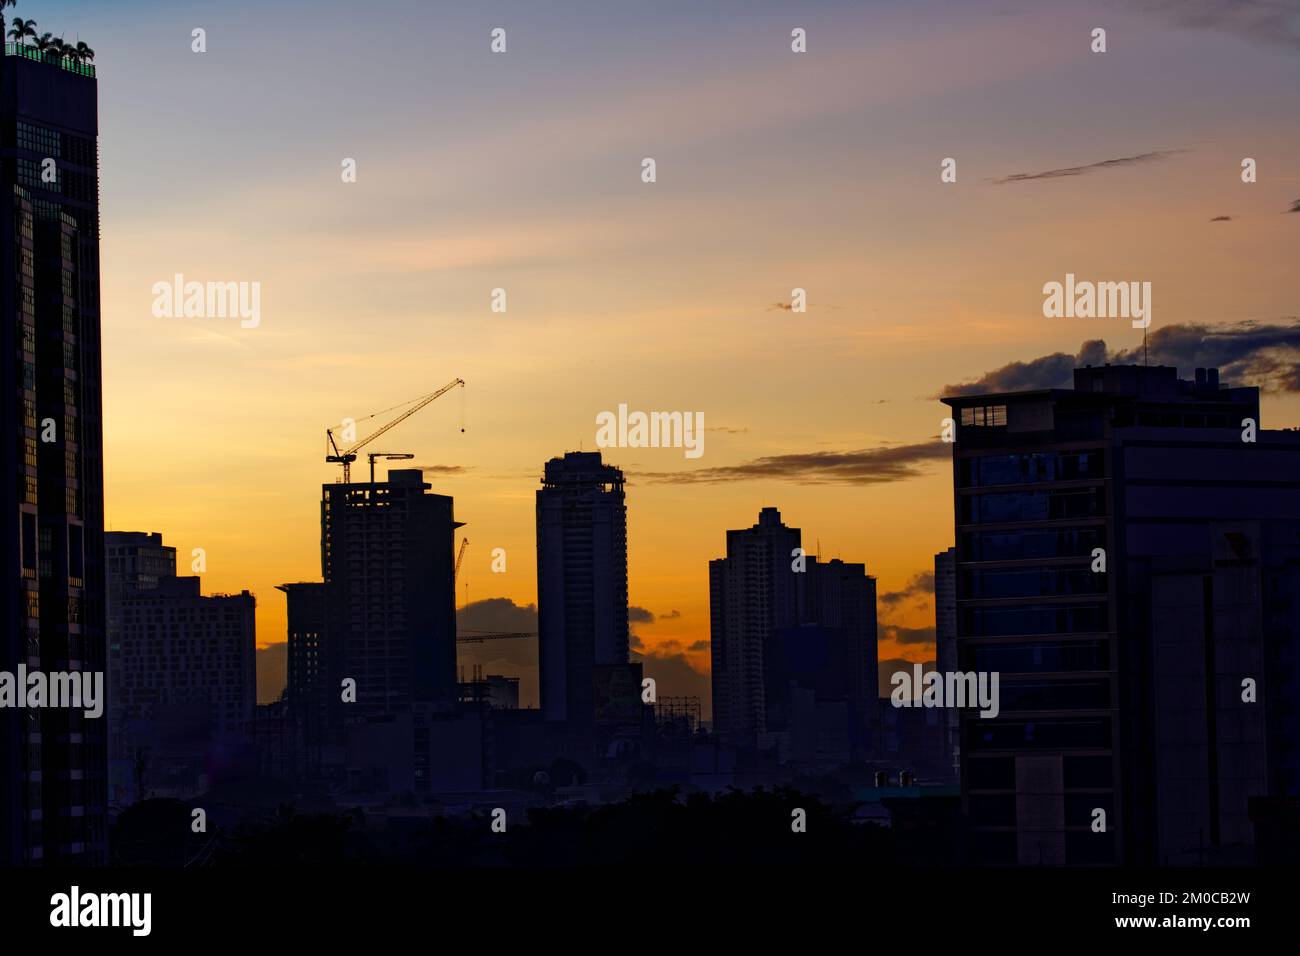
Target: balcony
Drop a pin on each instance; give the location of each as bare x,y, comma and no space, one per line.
31,53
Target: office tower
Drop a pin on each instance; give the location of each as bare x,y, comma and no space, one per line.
52,763
389,577
753,595
945,646
314,671
581,586
136,561
838,603
1122,682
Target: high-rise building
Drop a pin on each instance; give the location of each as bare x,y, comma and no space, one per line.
389,577
581,587
314,670
1121,548
753,596
795,663
945,647
136,562
53,762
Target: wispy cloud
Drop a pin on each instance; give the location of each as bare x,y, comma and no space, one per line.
1065,171
866,466
1221,219
1275,22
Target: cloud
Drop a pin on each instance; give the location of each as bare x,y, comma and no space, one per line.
699,646
891,666
727,430
906,635
639,615
922,583
272,672
1295,206
1065,171
865,466
432,469
1221,219
1275,22
1248,353
670,616
1049,371
674,676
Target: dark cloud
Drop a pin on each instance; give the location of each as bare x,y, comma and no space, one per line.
922,583
1274,22
1295,206
1065,171
272,672
511,657
906,635
866,466
1249,353
1049,371
431,469
891,666
727,430
1221,219
639,615
675,677
671,615
699,646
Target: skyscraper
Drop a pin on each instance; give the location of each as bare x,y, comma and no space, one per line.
945,646
1119,547
389,577
581,583
752,594
793,643
52,762
314,669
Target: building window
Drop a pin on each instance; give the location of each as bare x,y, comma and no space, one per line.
984,416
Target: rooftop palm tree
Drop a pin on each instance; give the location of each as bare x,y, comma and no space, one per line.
3,4
84,52
44,42
22,29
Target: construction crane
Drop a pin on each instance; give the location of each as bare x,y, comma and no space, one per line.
345,458
478,637
387,456
464,543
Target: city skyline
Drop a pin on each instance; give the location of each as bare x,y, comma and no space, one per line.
526,176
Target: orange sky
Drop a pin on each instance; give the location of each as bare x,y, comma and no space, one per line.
522,171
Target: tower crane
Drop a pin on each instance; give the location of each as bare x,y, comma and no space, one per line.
345,458
387,456
464,543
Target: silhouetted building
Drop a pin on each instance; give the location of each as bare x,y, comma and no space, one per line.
753,595
581,587
313,671
794,648
52,762
136,562
1122,689
187,684
388,566
945,648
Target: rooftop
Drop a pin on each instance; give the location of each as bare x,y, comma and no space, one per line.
29,52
